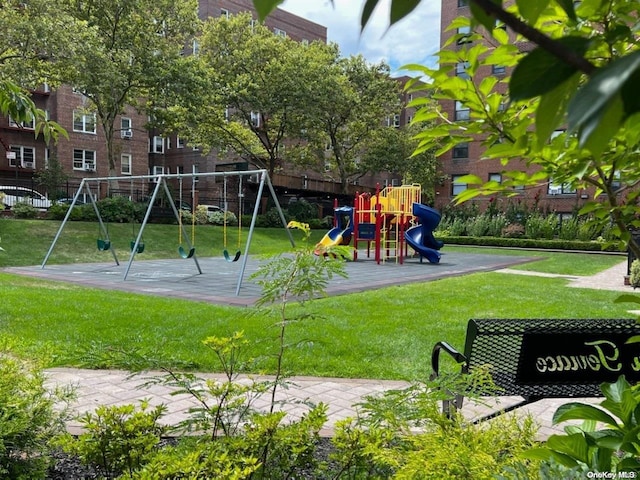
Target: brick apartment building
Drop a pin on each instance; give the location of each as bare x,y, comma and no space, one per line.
465,158
142,152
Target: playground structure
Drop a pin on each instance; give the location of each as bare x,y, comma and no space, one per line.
186,248
391,220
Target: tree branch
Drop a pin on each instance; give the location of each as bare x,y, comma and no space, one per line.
543,41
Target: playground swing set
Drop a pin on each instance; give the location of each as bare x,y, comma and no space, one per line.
186,248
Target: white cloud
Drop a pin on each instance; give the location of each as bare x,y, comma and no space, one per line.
412,40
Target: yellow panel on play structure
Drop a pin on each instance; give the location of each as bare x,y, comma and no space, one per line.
398,200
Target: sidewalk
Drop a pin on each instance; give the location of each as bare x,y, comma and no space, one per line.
100,387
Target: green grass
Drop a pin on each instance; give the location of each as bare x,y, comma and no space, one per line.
26,242
564,263
386,334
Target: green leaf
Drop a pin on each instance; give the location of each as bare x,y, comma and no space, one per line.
581,411
552,107
470,180
531,10
601,127
400,9
601,89
615,391
367,11
574,446
544,454
540,71
481,17
569,8
265,7
627,298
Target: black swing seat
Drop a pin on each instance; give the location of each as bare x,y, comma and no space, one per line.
140,248
229,258
103,245
186,254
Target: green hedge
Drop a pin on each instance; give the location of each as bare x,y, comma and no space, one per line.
533,243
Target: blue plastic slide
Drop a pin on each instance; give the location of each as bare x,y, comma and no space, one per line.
420,237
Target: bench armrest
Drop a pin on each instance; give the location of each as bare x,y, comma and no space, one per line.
435,357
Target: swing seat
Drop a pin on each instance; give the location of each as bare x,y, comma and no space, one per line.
103,245
186,254
228,257
140,248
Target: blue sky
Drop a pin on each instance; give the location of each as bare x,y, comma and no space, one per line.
413,40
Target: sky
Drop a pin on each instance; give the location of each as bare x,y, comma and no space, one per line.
412,40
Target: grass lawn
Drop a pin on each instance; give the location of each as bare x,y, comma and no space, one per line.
386,334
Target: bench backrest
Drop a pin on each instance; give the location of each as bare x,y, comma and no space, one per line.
554,357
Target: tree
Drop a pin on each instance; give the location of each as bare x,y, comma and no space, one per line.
350,112
582,74
392,150
254,91
132,43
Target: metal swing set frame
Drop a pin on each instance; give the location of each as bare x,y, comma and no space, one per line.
161,184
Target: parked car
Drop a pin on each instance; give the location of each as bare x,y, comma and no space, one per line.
211,208
13,195
69,201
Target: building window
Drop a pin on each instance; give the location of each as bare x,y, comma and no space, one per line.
84,122
280,33
125,164
158,170
495,177
23,157
227,114
179,142
464,35
255,119
396,120
27,124
195,48
498,69
195,169
462,112
304,42
461,70
560,188
157,145
461,150
84,159
456,185
224,13
125,128
463,3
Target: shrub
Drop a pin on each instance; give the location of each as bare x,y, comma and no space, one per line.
118,439
219,218
116,209
383,442
541,226
457,227
569,229
634,278
202,215
30,416
513,230
303,211
478,226
24,210
272,218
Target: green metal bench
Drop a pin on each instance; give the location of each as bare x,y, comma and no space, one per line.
545,358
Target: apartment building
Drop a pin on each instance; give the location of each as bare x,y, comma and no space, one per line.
466,158
141,152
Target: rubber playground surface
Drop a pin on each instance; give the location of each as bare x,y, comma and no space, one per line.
219,280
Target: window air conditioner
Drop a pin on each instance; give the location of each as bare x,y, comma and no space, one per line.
127,133
28,165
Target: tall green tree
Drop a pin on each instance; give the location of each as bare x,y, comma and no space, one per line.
133,43
254,91
352,111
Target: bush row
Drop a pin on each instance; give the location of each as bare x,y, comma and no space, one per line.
557,244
